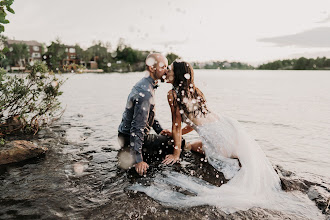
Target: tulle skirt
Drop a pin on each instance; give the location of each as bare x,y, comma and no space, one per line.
253,181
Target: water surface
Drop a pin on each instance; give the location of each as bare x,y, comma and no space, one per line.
287,112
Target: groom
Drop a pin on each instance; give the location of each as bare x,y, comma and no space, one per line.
139,117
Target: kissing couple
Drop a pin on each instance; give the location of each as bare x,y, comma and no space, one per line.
224,142
228,148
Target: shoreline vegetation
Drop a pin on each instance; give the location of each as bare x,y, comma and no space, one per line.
102,58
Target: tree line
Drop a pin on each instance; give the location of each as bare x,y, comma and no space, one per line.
123,58
225,65
320,63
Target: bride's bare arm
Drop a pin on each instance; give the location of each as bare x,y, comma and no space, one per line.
176,130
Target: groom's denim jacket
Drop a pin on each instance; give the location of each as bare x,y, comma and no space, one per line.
139,115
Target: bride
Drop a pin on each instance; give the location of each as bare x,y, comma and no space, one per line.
228,148
226,145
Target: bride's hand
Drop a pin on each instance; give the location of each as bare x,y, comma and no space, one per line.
171,159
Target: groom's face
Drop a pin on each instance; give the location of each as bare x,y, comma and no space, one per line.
161,68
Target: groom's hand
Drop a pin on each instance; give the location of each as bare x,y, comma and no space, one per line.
166,132
141,168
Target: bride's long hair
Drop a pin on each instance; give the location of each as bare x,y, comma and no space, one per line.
189,98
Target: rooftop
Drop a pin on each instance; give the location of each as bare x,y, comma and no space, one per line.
29,43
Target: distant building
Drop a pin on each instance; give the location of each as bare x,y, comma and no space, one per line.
35,49
93,65
71,57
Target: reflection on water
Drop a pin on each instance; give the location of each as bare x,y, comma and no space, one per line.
287,112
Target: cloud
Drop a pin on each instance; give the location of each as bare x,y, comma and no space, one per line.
326,20
317,37
311,54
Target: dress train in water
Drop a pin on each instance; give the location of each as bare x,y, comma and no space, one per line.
254,184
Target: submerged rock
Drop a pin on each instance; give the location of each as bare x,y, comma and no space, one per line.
321,197
316,192
19,150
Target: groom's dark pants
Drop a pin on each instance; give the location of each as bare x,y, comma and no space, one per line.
155,147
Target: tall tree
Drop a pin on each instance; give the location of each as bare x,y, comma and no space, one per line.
17,54
100,54
5,6
55,55
171,57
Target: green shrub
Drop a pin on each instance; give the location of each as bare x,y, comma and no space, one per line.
28,101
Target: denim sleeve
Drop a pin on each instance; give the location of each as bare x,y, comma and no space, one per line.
139,122
156,126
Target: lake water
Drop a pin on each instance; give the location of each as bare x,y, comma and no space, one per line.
287,112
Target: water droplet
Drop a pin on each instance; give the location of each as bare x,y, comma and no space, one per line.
109,64
187,76
185,100
54,83
217,176
78,168
151,61
141,94
129,104
114,54
125,160
181,111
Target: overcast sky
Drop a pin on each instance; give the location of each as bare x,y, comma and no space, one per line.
253,31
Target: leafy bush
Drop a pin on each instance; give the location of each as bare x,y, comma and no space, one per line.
5,6
28,101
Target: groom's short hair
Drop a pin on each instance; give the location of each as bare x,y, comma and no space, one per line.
152,59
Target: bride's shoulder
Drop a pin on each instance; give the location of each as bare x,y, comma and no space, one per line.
171,96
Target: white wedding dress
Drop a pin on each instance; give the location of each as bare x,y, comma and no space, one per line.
254,184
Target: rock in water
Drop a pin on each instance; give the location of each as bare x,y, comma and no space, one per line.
19,150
